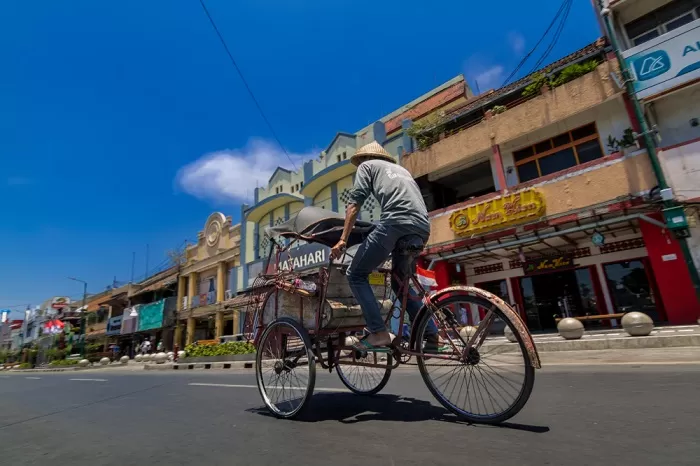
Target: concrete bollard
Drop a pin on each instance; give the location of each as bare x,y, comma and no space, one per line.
637,324
124,360
83,363
104,361
180,354
160,358
138,358
570,328
467,332
510,336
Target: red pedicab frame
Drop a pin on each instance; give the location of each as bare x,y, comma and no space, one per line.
324,227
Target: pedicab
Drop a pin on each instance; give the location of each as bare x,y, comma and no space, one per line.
302,319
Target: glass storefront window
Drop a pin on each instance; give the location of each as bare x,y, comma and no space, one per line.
630,289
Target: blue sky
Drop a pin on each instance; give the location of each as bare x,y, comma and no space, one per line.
122,123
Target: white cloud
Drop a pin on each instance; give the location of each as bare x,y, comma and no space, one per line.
232,175
517,42
490,78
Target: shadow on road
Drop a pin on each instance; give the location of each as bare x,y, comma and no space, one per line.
348,408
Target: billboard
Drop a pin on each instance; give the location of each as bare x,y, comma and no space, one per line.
666,62
59,302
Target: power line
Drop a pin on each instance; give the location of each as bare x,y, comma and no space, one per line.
245,83
555,38
525,58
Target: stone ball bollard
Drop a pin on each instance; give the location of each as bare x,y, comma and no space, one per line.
510,336
104,361
467,332
160,358
570,328
138,358
180,354
171,356
83,363
637,324
124,360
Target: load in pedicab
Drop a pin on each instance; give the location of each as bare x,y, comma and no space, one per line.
337,315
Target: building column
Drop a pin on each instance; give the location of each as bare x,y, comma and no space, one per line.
236,321
190,330
500,172
192,288
177,339
181,290
219,324
671,273
220,281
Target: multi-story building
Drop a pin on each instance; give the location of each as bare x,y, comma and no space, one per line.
533,197
660,43
327,180
207,279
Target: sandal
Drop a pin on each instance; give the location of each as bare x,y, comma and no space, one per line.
363,345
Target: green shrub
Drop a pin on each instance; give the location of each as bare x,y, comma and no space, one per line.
25,365
64,362
223,349
574,71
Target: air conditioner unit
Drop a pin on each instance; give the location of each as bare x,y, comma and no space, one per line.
228,294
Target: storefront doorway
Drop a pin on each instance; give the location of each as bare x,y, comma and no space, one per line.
566,293
630,288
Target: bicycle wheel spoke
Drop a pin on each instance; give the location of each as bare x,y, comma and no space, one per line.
484,382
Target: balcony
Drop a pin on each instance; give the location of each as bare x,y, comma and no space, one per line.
609,179
521,117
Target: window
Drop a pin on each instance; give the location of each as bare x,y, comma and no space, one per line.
345,155
563,151
338,157
662,20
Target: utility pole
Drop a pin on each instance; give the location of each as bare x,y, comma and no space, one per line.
82,316
649,141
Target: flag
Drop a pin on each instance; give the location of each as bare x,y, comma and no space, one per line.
426,278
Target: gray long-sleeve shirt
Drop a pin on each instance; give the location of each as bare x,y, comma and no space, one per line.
397,192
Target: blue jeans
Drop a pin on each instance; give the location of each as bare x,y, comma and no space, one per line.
404,243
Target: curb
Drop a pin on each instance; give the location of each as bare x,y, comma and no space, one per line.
202,365
619,343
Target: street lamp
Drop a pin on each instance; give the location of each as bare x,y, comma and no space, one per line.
82,315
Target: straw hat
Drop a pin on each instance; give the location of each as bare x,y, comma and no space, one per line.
374,150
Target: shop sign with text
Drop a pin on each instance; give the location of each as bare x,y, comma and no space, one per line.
499,212
548,264
304,257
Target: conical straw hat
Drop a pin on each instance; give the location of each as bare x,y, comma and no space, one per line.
374,150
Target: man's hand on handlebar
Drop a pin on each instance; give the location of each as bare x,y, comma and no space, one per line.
338,250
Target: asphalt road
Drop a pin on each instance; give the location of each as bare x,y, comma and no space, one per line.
578,415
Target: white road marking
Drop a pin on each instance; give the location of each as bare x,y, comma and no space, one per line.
255,386
89,380
687,330
667,331
33,378
625,363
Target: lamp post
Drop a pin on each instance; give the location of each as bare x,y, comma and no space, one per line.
82,315
648,139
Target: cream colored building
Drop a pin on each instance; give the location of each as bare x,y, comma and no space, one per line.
207,279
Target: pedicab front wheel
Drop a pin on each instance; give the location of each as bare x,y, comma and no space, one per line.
285,368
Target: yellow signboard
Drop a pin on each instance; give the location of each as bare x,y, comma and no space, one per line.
502,211
377,278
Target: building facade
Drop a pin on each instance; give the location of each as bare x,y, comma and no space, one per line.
660,43
208,278
532,197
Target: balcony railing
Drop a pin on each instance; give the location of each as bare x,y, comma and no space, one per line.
519,118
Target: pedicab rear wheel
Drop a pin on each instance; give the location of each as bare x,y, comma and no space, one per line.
366,380
285,368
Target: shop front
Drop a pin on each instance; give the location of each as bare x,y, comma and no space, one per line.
596,263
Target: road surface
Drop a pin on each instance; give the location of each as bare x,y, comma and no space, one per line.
578,415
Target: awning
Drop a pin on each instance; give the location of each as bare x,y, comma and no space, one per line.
159,285
238,302
560,234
